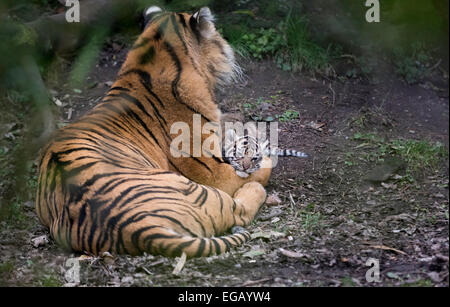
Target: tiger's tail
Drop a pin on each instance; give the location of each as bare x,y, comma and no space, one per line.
288,153
164,241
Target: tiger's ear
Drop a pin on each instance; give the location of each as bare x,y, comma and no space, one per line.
230,135
203,21
150,13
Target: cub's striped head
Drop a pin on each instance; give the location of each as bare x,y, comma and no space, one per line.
244,153
191,41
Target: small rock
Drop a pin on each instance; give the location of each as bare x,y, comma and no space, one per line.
30,205
264,106
273,200
371,202
127,279
434,276
40,241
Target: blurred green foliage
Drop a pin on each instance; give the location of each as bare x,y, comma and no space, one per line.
413,64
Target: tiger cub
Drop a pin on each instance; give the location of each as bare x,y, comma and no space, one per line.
245,153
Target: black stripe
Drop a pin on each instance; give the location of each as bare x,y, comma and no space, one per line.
137,117
161,29
147,56
143,42
179,249
119,88
182,20
201,248
193,24
216,246
227,243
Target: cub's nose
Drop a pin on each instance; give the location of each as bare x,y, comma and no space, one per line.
246,164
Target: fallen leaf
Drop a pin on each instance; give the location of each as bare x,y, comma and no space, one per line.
384,247
108,258
389,185
85,257
57,102
254,253
180,264
255,282
268,234
275,220
274,212
392,275
292,254
316,126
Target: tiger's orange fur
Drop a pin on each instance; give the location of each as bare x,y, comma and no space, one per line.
108,181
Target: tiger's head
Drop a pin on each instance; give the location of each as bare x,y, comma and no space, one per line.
192,41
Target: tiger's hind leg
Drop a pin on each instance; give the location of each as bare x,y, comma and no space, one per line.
248,200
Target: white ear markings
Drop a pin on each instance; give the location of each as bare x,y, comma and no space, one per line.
205,13
230,135
152,9
205,22
265,145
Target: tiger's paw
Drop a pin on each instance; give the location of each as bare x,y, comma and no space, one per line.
252,192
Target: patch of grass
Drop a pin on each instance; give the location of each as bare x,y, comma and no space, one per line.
311,219
252,109
347,282
289,44
262,43
413,65
420,155
18,179
6,267
419,283
299,51
50,281
14,216
288,115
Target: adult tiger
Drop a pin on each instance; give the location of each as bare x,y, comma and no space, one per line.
108,181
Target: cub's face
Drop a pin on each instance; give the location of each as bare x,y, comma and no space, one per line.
243,153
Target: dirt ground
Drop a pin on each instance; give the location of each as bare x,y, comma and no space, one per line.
330,220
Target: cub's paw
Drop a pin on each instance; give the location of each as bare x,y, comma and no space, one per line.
242,174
